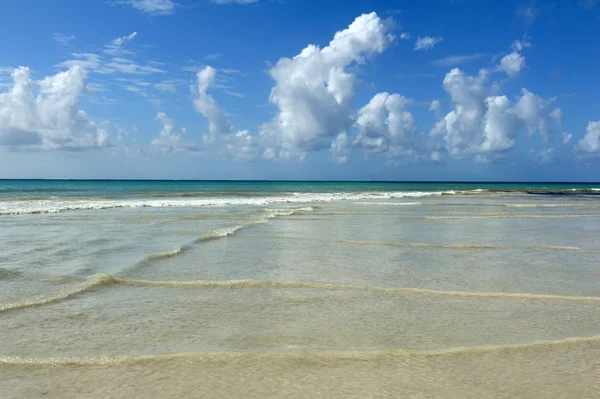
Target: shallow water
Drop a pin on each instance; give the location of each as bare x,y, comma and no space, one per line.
299,291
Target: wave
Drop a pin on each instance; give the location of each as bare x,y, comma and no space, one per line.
320,356
93,282
104,280
62,205
223,233
348,287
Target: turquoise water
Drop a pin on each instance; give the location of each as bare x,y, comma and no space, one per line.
299,289
128,188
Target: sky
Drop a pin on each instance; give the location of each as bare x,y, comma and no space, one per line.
460,90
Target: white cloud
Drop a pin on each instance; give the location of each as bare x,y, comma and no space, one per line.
213,56
114,48
45,114
83,60
532,110
520,45
405,36
485,124
152,7
229,71
544,156
427,42
243,146
119,41
168,141
512,63
455,60
384,126
166,86
63,39
567,137
590,143
128,67
234,94
436,107
313,92
208,107
340,148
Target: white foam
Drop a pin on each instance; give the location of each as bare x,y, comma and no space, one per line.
24,207
390,203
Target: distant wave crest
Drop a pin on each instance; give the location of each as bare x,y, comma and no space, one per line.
25,207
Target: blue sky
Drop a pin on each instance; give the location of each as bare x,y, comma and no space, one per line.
225,89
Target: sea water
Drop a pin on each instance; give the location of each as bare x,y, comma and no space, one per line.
299,289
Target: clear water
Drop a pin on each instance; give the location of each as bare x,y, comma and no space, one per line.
299,289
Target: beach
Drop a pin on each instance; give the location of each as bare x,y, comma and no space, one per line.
114,289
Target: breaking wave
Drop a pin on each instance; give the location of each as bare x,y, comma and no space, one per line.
62,205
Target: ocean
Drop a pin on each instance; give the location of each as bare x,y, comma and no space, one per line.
121,289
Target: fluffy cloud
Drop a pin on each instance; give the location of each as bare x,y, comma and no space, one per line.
314,93
168,141
427,42
405,36
208,107
590,143
340,148
384,126
482,123
512,63
45,114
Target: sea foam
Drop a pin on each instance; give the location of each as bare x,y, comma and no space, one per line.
61,205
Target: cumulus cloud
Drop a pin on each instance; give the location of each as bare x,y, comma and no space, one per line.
243,146
482,123
384,126
207,106
436,107
512,63
590,143
314,92
405,36
168,141
340,148
45,114
427,42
